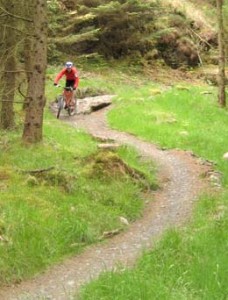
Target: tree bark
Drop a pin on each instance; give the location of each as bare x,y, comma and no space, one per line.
28,45
221,43
33,125
9,68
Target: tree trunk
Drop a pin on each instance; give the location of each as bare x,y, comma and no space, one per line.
9,71
33,124
221,42
7,111
28,45
28,63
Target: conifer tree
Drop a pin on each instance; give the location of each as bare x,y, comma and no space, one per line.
8,52
113,29
221,42
35,103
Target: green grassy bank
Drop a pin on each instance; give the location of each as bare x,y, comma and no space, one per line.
58,196
191,262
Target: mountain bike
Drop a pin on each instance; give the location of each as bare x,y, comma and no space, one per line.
67,101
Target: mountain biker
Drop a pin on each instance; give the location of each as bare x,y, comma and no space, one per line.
71,75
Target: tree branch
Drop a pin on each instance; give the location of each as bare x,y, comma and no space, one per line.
16,71
19,90
15,16
202,39
14,28
13,101
37,170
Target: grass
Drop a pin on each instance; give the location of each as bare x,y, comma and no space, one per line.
186,119
191,262
55,216
47,216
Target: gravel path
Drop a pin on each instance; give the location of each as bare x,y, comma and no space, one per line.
181,184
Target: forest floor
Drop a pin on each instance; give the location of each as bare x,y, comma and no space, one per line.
182,178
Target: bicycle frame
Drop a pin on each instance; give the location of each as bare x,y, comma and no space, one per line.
67,101
68,96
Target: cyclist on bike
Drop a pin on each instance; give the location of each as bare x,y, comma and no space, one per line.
71,75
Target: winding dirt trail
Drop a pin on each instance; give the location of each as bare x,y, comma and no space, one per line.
181,184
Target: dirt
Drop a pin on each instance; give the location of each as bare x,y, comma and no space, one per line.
182,178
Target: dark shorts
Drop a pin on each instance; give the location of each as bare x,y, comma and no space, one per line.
70,83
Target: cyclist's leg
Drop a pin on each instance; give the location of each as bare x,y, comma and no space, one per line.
70,83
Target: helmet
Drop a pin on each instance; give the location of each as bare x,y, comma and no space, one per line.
69,64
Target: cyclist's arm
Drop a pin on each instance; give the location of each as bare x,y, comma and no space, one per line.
76,82
59,76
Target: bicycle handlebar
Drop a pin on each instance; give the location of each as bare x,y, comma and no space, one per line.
68,88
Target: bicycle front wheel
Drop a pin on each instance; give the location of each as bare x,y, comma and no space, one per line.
60,105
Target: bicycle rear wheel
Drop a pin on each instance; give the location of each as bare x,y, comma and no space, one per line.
60,105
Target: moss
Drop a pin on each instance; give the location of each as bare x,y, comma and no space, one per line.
90,92
107,165
57,178
4,175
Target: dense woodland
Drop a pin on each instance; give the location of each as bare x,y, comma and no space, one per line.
144,32
149,33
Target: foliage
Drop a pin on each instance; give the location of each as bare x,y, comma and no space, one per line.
113,29
134,29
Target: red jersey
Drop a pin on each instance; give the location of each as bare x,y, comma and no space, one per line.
72,75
